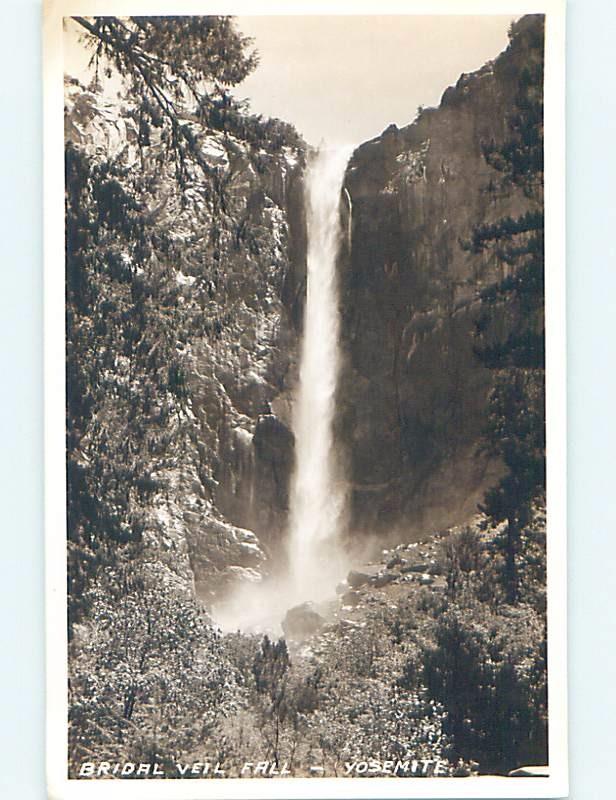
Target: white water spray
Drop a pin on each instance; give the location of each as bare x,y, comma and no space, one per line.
318,497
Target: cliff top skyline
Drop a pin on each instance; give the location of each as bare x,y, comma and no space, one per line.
344,79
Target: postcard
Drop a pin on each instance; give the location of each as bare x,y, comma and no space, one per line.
305,400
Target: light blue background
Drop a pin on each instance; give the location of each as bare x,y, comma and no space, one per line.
591,270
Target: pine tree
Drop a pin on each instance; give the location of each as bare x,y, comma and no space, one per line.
270,671
516,415
126,380
173,63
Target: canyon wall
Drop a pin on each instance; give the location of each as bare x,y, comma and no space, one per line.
413,395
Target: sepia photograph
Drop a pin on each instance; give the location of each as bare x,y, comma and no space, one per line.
305,411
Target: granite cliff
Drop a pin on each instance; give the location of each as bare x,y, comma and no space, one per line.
413,394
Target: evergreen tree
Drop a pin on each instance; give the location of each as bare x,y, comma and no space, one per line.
489,671
173,63
124,372
126,320
270,670
516,416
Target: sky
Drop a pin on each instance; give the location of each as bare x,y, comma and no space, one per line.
344,79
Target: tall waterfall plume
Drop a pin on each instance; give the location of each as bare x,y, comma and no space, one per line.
318,496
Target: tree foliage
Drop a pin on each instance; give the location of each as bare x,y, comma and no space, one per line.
516,412
150,678
125,373
489,672
182,70
481,657
173,63
152,265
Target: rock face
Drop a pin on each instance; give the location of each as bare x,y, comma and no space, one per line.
237,265
412,396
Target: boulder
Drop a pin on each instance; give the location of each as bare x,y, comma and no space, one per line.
426,580
302,621
357,578
274,447
384,578
222,554
349,625
414,568
243,575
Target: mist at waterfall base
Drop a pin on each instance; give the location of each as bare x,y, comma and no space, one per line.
316,561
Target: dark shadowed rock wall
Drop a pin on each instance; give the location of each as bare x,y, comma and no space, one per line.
412,396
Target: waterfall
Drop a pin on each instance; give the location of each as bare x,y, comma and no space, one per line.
350,222
318,496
